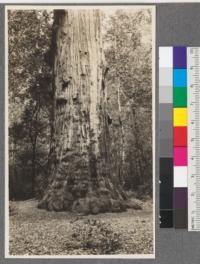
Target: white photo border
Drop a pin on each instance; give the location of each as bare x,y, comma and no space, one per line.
82,6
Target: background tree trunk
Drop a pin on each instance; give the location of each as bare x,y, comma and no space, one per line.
80,176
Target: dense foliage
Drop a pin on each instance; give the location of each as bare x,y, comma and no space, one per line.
129,58
29,38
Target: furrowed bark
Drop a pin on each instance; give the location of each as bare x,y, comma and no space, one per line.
80,176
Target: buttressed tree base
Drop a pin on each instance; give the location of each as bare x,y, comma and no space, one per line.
80,177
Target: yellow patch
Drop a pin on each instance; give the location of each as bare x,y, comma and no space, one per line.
180,116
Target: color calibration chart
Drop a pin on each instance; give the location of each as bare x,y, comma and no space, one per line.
179,137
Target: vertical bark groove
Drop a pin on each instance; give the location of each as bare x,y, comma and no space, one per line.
80,172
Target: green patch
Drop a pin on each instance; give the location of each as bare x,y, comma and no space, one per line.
180,97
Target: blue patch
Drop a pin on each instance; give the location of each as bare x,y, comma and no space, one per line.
180,78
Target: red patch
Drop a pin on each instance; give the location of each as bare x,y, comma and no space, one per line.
180,136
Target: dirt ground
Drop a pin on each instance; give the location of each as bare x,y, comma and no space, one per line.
38,232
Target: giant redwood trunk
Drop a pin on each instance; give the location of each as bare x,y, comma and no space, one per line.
80,178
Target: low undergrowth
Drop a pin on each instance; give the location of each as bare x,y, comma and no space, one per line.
96,236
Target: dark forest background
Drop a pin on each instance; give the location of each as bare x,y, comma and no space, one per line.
128,54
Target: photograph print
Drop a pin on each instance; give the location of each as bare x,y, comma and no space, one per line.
79,131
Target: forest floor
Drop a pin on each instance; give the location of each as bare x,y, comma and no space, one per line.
38,232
